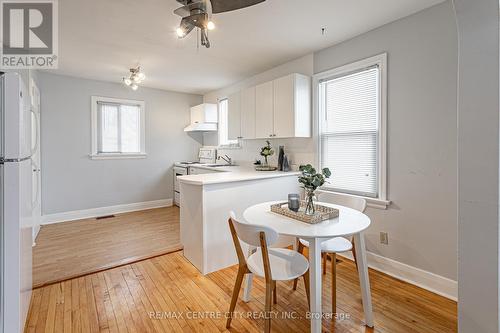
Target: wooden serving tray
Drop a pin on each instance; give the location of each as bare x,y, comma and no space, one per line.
322,212
265,168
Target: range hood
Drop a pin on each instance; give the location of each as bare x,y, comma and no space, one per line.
203,118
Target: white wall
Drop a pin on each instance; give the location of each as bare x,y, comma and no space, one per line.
478,154
72,181
298,150
422,78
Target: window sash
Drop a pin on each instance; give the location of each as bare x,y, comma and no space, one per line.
223,135
370,129
119,128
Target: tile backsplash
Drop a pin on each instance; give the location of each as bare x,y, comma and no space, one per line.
298,150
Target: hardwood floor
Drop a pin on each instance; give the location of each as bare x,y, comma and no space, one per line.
167,294
71,249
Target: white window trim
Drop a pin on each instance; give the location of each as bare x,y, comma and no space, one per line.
219,145
95,155
381,61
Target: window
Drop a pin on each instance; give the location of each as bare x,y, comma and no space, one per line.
352,116
117,128
223,126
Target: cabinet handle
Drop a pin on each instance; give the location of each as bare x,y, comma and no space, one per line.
240,137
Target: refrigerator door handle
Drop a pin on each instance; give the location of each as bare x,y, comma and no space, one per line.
35,169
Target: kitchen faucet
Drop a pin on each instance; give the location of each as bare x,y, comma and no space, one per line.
227,159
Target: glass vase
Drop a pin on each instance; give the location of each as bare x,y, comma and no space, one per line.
310,210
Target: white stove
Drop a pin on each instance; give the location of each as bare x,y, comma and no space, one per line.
206,155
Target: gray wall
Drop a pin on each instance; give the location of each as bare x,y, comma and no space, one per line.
422,79
478,154
72,181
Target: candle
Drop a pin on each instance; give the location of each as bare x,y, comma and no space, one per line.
294,202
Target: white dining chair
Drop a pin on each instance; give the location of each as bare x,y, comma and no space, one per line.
274,264
338,244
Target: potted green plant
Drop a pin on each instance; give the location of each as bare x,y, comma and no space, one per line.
311,180
266,151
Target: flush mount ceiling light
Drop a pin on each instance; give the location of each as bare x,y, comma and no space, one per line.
135,78
195,14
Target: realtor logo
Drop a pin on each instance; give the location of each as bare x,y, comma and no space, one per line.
29,34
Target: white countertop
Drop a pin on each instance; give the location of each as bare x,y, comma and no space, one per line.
228,174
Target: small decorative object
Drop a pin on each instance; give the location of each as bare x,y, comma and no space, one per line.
294,202
257,162
322,213
286,164
265,168
281,154
266,151
310,181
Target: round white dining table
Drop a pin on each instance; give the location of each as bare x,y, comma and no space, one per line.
349,222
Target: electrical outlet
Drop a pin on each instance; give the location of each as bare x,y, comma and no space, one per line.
384,238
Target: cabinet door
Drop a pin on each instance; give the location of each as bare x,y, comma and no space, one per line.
284,107
264,127
197,114
248,113
234,116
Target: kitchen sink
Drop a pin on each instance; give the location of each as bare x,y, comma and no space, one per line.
220,165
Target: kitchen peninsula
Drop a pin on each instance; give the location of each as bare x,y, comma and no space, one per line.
206,200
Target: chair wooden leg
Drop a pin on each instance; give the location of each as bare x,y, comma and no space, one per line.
236,291
300,249
269,295
324,256
308,290
275,296
334,282
354,254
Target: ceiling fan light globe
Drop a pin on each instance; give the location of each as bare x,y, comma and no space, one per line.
210,25
127,81
134,86
141,76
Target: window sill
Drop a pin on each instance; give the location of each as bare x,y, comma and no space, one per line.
238,146
117,156
370,202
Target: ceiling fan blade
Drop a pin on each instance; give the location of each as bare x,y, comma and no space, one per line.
221,6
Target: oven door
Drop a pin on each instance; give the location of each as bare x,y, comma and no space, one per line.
178,171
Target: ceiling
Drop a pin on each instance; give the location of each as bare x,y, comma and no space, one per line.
103,39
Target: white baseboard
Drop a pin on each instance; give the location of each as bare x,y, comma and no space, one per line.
427,280
101,211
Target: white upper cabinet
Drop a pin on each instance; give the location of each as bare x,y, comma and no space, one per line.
204,113
286,105
234,116
292,106
274,109
248,113
283,115
264,127
241,114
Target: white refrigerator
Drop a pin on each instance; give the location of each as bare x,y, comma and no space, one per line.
16,202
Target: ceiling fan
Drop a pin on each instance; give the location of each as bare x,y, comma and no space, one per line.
195,14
